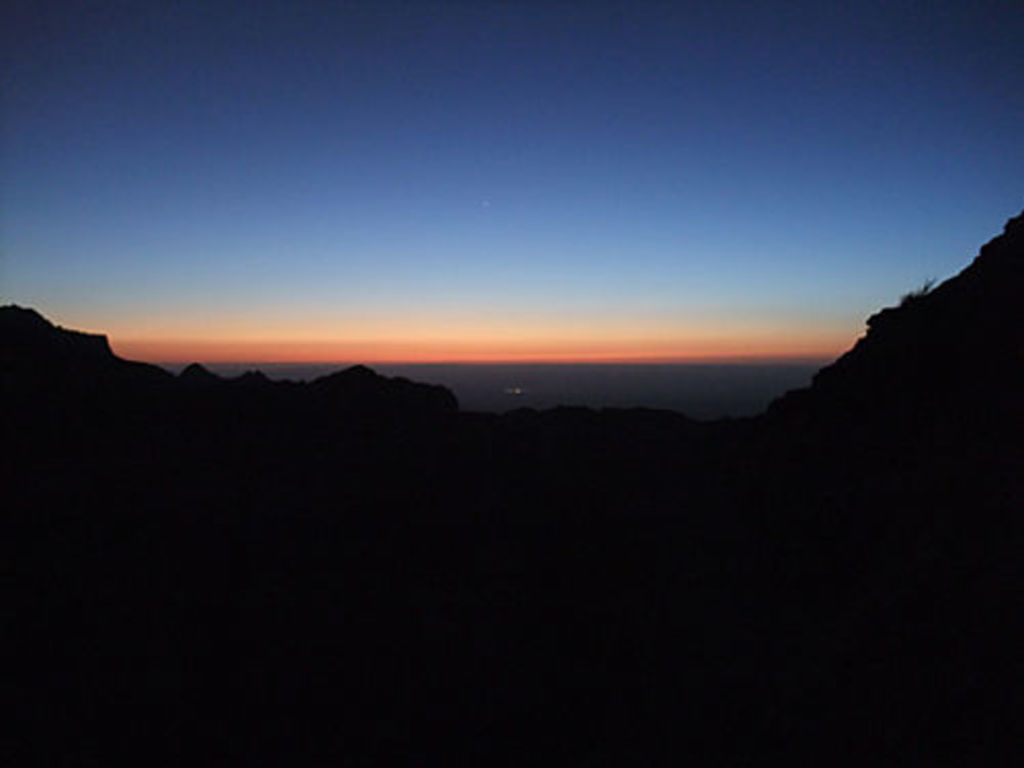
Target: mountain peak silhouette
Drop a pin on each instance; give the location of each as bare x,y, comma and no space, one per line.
13,317
198,374
31,333
363,384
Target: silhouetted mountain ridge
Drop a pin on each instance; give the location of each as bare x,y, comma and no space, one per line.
350,571
365,385
28,336
197,374
963,336
36,353
957,346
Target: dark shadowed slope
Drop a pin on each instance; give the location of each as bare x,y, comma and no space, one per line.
351,571
890,496
956,348
34,349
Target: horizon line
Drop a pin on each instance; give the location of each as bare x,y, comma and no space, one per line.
693,360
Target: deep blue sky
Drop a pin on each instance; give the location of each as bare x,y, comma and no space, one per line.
506,180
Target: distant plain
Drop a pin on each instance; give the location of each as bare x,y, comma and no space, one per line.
699,390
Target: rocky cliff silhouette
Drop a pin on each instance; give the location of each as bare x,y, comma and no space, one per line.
36,350
352,571
958,346
39,356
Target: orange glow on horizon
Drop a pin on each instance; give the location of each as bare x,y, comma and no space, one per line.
472,335
724,348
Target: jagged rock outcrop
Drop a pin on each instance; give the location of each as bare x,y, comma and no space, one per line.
956,348
36,353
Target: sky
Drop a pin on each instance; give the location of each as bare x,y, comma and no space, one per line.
498,181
